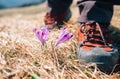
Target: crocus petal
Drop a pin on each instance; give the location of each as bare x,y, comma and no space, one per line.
37,33
41,35
62,32
46,33
66,37
63,39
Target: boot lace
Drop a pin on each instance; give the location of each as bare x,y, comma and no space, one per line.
94,34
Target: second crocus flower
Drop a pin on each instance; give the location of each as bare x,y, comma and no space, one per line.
64,36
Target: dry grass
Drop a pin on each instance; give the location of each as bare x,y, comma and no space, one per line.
21,55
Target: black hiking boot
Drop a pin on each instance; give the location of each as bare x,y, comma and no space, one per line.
95,46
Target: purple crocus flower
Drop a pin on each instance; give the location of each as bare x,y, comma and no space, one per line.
42,34
64,36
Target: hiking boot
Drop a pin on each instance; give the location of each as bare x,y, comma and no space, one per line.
56,20
95,46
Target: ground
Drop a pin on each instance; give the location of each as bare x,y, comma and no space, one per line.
21,54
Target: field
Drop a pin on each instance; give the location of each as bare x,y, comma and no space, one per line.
21,55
